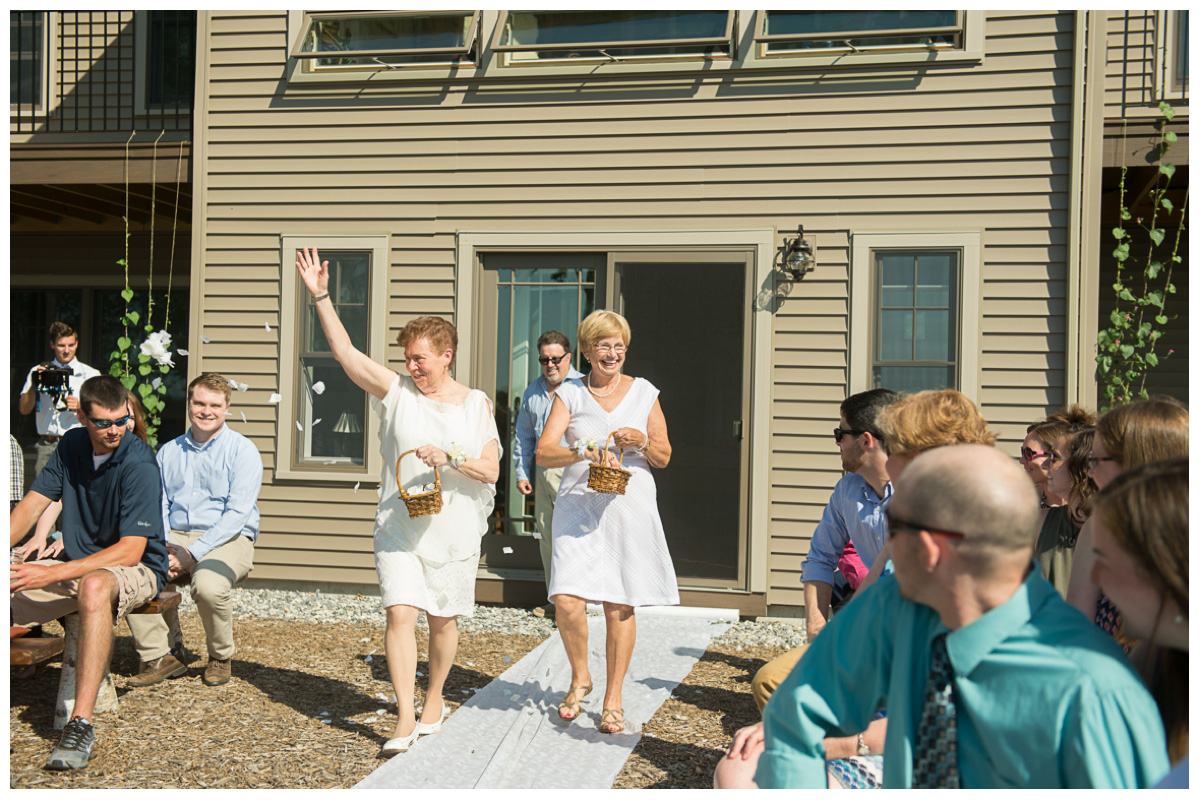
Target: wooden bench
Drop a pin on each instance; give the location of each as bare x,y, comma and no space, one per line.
25,650
106,697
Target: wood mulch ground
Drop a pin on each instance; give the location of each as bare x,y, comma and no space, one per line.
302,712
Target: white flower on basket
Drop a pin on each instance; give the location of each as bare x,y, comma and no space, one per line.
581,446
456,454
158,347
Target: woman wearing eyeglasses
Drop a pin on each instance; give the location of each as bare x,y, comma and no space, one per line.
1067,477
608,548
1035,450
1127,437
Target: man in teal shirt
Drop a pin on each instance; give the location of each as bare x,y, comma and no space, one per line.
1042,697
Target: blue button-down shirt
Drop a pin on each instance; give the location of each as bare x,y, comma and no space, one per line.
854,514
211,487
535,410
1043,697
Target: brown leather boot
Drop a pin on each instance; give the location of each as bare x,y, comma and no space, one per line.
158,670
218,672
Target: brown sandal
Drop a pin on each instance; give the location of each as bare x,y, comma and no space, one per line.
614,725
572,703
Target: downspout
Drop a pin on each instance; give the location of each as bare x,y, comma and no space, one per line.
1075,215
199,191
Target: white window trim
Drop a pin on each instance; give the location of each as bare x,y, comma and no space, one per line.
761,241
862,314
289,322
1164,61
972,50
49,69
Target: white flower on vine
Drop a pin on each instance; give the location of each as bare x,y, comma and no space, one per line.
158,347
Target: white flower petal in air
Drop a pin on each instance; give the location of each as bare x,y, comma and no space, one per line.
317,421
232,383
508,549
243,387
356,487
267,325
157,382
381,711
368,659
182,352
229,413
205,339
274,398
158,347
299,427
244,417
319,387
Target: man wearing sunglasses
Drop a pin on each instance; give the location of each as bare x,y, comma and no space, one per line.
115,555
554,356
989,678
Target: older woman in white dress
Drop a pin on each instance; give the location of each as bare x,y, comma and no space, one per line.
428,563
608,548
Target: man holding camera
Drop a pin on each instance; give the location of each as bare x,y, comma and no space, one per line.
56,408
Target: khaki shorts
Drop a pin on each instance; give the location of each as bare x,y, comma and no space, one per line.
136,586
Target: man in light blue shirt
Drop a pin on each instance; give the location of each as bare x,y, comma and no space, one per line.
1042,698
211,479
554,355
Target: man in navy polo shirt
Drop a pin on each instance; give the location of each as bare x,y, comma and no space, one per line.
115,548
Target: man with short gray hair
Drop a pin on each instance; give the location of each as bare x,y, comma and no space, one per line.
988,677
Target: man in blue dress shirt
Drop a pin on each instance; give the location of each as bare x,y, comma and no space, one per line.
554,355
1041,697
211,479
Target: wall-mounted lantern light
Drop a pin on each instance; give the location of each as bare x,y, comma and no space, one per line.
799,256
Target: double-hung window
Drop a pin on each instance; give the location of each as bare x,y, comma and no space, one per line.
540,37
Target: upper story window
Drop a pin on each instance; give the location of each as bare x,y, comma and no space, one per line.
171,58
26,57
392,39
540,37
799,32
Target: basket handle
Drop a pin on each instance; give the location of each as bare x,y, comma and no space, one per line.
621,458
437,477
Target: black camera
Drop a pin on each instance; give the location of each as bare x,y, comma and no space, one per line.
56,382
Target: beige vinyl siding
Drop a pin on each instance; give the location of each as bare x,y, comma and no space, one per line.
1129,80
977,147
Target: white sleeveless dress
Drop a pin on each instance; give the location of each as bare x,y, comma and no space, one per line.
431,562
610,547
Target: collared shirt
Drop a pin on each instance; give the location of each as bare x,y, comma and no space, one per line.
531,420
211,487
854,514
16,475
1043,698
49,421
102,505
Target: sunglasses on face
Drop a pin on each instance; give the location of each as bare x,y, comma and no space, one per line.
103,424
547,360
896,524
1029,454
838,433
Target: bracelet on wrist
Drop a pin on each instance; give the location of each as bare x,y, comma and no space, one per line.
645,446
320,297
863,750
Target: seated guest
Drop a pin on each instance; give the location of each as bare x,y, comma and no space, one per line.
988,677
115,551
1141,564
211,479
1058,527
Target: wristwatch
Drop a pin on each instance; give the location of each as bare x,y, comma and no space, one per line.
863,750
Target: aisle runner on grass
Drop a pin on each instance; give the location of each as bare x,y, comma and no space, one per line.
509,736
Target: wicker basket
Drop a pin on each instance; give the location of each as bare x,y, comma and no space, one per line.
608,480
420,505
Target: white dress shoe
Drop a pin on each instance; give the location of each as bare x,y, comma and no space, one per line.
424,730
394,747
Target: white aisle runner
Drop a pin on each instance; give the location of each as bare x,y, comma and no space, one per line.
509,736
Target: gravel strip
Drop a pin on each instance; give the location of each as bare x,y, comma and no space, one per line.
362,609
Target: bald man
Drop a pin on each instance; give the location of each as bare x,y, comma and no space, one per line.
1023,690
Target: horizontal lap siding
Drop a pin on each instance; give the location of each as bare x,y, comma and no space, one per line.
1130,69
978,147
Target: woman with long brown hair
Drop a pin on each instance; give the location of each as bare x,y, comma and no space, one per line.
1067,478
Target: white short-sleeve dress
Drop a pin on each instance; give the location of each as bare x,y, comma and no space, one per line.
431,562
609,547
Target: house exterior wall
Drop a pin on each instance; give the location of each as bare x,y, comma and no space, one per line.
982,147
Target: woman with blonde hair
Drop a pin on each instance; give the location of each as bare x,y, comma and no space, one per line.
429,562
1127,437
607,548
1141,563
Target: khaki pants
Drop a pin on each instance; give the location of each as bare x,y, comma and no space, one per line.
212,586
136,587
545,494
767,679
44,450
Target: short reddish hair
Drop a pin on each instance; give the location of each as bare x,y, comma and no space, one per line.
440,334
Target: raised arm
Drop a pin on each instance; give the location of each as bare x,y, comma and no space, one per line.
366,374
